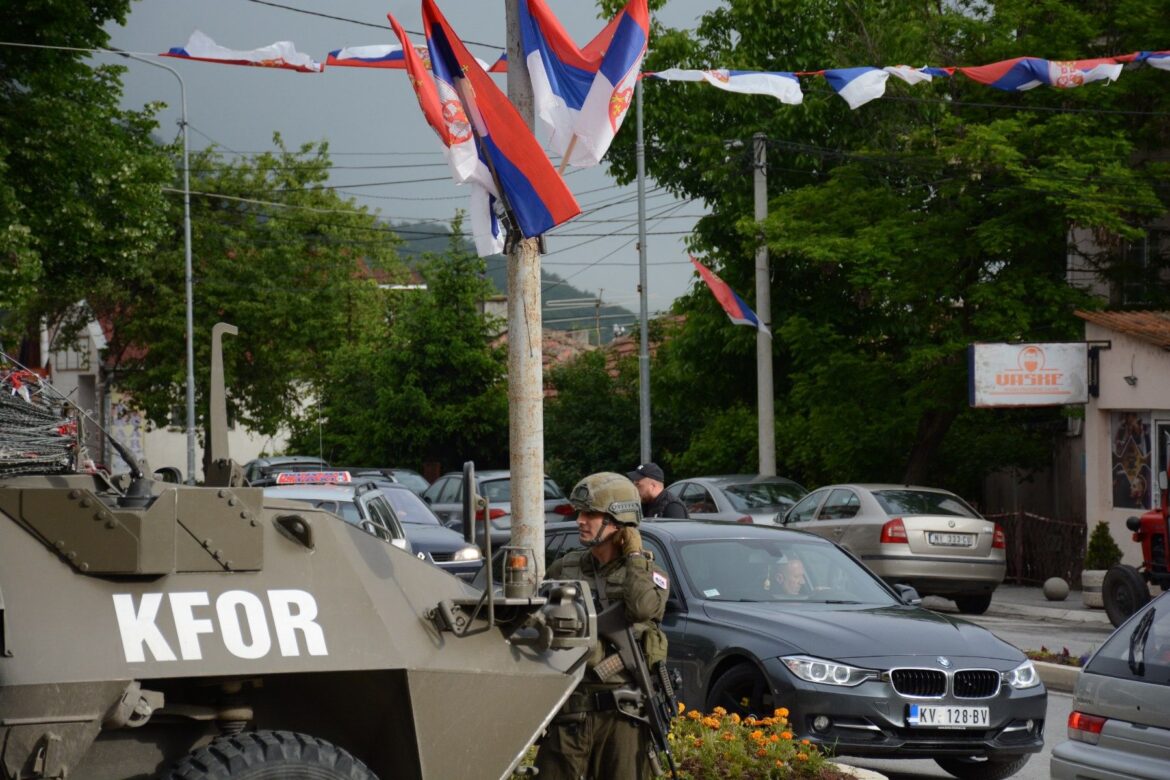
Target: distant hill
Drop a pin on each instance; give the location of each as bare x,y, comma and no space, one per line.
565,307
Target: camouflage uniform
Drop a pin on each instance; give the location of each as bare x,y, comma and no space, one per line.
588,738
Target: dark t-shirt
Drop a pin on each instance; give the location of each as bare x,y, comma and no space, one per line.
665,505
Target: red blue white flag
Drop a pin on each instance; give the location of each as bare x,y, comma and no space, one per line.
1023,73
532,191
582,95
391,57
857,86
738,311
781,85
282,55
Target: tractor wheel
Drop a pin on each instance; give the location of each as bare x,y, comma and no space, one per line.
269,755
1124,592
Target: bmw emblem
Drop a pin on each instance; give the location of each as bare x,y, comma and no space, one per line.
944,662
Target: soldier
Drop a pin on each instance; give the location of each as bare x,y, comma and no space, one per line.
590,738
657,501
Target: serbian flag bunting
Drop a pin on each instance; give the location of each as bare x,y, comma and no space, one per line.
783,86
531,188
857,86
392,57
582,94
282,55
738,311
1023,73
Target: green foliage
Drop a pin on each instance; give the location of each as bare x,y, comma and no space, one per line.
1102,551
282,258
426,386
899,233
81,206
591,424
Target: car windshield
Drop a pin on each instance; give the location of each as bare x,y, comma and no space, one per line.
410,508
769,570
415,482
759,495
922,502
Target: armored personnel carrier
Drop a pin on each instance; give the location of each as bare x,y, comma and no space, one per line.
153,629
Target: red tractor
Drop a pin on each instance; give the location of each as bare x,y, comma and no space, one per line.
1126,588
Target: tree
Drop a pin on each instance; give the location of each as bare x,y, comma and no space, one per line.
277,254
430,387
81,204
905,230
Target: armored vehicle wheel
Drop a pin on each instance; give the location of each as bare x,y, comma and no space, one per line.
269,755
973,605
983,768
1124,593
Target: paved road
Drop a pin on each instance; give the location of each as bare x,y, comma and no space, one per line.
1029,633
1059,705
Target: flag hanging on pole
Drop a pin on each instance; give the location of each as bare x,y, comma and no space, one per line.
737,311
532,191
582,95
282,55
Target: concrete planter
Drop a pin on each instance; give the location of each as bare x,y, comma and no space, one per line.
1058,677
1091,580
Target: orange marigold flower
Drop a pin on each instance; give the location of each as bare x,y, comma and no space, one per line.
698,743
802,756
710,722
774,738
719,711
779,764
735,717
780,712
757,735
694,715
805,742
727,736
786,735
762,752
681,708
750,720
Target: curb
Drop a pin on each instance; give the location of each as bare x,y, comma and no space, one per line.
1050,613
1058,677
858,772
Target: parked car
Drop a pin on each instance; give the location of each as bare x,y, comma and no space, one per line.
262,471
445,497
738,498
861,668
359,504
429,539
411,478
1119,726
920,536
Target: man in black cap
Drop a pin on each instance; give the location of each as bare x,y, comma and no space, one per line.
657,501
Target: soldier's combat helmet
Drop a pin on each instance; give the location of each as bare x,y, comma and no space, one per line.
609,493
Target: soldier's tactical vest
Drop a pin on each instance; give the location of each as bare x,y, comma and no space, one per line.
608,588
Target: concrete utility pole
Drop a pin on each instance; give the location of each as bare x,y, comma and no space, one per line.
525,342
643,304
764,395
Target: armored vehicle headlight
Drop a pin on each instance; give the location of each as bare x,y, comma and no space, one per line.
468,553
817,670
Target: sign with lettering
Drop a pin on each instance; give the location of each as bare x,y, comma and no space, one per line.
1028,374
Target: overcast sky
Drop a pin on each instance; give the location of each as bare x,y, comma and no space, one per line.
374,127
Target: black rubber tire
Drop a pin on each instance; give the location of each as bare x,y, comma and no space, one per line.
975,604
742,690
269,755
1124,593
983,768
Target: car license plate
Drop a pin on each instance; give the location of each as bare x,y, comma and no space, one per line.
949,717
950,540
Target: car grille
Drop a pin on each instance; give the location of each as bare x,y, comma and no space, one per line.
976,683
919,682
442,557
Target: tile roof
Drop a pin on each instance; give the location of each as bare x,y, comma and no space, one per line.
1152,327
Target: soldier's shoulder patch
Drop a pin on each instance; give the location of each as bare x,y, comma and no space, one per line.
660,580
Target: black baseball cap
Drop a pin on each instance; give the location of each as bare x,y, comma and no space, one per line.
651,470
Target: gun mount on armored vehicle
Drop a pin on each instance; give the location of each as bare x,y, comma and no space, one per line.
153,629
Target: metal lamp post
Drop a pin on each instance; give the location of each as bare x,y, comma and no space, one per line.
187,266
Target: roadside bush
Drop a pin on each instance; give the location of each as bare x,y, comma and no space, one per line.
1102,551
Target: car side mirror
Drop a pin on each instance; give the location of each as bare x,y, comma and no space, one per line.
908,594
427,499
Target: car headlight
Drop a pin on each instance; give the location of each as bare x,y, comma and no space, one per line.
1023,676
468,553
817,670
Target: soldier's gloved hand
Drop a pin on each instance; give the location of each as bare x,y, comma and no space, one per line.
631,540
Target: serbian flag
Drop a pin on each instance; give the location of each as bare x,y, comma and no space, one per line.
781,85
1023,73
393,57
281,54
857,86
1155,59
738,311
530,187
444,113
582,95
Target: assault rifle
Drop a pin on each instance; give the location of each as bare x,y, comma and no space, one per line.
655,690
